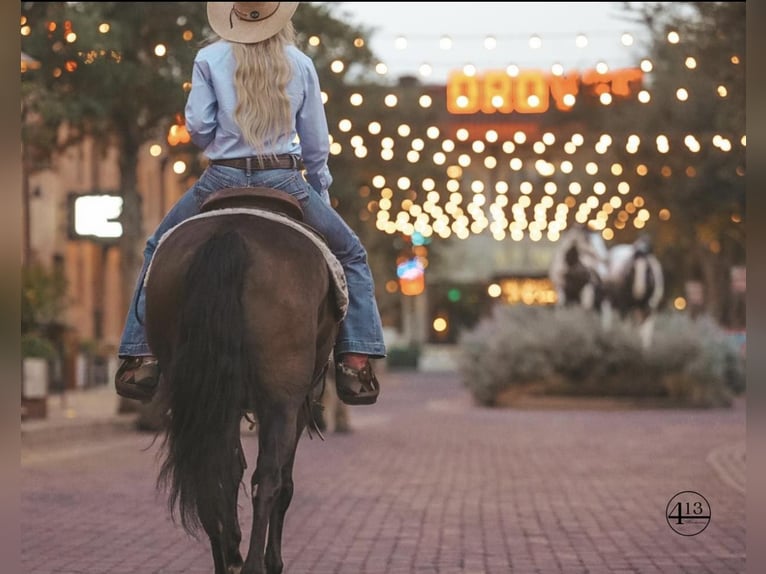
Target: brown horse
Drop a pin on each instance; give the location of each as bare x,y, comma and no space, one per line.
242,314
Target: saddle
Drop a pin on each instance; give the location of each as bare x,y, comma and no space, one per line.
276,205
254,197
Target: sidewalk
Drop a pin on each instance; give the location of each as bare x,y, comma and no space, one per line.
77,414
431,483
85,413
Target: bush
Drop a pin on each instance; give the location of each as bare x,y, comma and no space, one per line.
403,357
566,351
43,296
699,362
35,346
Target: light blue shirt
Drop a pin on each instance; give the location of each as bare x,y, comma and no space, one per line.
213,99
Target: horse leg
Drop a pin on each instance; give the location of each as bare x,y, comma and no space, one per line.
607,315
214,532
646,330
277,436
339,410
588,296
234,560
274,563
225,538
329,402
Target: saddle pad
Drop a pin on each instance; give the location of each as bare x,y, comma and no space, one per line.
334,266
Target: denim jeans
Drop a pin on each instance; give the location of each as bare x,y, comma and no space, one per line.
361,330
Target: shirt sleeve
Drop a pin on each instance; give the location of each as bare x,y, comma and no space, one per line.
201,106
311,125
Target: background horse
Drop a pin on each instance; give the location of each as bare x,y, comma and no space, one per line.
577,268
626,279
241,313
635,286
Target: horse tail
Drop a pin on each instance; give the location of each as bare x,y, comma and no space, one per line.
206,386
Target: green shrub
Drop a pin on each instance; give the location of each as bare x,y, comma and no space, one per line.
566,351
43,296
698,361
403,357
36,346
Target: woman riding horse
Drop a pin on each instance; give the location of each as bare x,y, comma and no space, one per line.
255,108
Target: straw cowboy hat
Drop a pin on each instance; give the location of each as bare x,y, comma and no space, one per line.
249,22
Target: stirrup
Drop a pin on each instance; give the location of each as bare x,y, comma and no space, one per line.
137,378
356,386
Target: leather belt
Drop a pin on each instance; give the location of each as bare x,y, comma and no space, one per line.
282,161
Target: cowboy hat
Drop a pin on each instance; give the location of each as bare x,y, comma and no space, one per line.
249,22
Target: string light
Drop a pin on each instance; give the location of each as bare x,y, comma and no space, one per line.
443,215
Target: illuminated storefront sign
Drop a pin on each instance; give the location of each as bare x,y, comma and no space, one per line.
411,273
95,216
527,290
531,91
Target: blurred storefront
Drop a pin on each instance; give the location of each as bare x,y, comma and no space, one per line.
72,229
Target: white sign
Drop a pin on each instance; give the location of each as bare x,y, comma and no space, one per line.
35,378
95,215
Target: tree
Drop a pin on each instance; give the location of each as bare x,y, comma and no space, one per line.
43,297
698,103
114,73
110,82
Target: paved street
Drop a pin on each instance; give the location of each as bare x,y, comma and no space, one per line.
426,483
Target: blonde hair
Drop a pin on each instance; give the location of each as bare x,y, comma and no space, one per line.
263,71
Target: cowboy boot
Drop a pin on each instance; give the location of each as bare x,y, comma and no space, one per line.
137,378
356,386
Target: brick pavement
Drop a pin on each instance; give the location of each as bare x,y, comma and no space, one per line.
426,483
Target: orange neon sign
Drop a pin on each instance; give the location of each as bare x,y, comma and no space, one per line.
531,91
